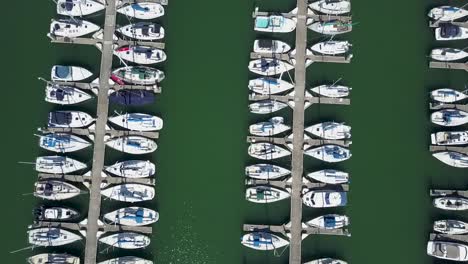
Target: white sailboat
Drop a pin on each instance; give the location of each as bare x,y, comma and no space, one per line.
55,190
143,31
447,250
52,258
270,46
141,54
141,75
266,171
65,95
329,221
143,10
274,24
129,192
334,27
331,90
327,261
451,203
138,122
62,142
447,13
450,32
268,85
266,106
449,117
78,7
51,237
58,165
271,127
69,73
332,7
265,194
132,144
330,130
133,216
126,240
451,227
324,199
269,67
329,153
331,47
267,151
263,241
448,54
329,176
451,158
449,138
71,28
69,119
132,169
447,95
127,260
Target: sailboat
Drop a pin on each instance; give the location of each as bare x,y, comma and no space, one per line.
142,31
263,241
267,151
451,203
268,85
62,142
55,213
271,127
449,138
448,54
266,171
452,158
450,32
274,24
144,10
329,153
451,227
447,95
267,106
133,216
72,28
132,144
126,240
447,250
69,119
269,66
53,258
265,194
55,190
141,54
65,95
78,7
327,261
449,117
333,27
138,122
51,237
329,176
133,169
329,221
332,7
447,13
270,46
58,165
324,199
127,260
330,130
331,47
141,75
331,90
129,192
69,73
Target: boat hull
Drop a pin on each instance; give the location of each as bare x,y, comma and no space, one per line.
329,176
126,240
263,241
267,151
274,24
133,145
266,171
133,169
133,216
144,10
130,192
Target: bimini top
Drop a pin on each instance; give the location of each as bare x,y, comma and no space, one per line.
449,30
265,43
62,71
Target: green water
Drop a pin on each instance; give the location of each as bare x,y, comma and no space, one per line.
202,150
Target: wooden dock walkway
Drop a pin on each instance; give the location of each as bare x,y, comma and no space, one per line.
285,141
448,65
92,131
440,192
93,42
308,14
286,229
284,184
440,106
308,99
434,24
84,178
445,237
80,227
116,87
314,58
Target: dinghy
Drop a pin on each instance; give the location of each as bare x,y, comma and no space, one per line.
133,169
51,237
451,227
324,199
58,165
267,151
143,10
64,95
141,75
451,158
141,54
450,32
69,73
126,240
329,153
329,221
269,67
274,24
330,130
268,85
331,47
271,127
138,122
132,97
447,95
451,203
448,54
334,27
62,142
266,106
52,214
329,176
127,260
263,241
265,194
270,46
327,261
447,250
142,31
331,90
78,7
72,28
447,13
331,7
55,190
51,258
132,144
266,171
132,216
449,117
129,192
69,119
449,138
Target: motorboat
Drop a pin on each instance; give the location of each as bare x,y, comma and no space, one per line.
58,165
129,192
330,130
447,95
329,221
132,144
62,142
132,97
269,66
449,138
127,260
143,10
452,158
451,203
267,151
78,7
72,28
138,122
265,194
333,27
263,241
141,75
447,250
69,119
132,169
324,199
142,31
126,240
141,54
69,73
327,261
52,258
270,46
51,237
274,24
329,176
267,106
331,47
331,90
329,153
451,227
449,117
447,13
268,85
450,32
271,127
132,216
331,7
55,190
266,171
448,54
65,95
55,213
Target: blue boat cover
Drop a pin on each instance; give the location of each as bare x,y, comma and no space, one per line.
262,22
329,221
132,97
62,71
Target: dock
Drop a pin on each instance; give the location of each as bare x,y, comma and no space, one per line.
314,58
440,192
286,229
115,87
286,141
92,132
448,65
445,237
87,179
94,42
309,13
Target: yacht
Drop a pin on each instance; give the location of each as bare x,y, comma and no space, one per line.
452,158
327,261
329,153
447,13
265,194
129,192
332,7
450,32
449,138
62,142
141,75
274,24
132,168
132,144
72,28
55,190
451,227
324,199
268,85
69,73
331,47
329,176
141,54
267,151
269,66
78,7
447,95
142,31
69,119
333,91
51,237
58,165
269,128
132,216
329,221
263,241
44,213
52,258
267,106
449,117
138,122
447,250
330,130
448,54
143,10
451,203
333,27
132,97
127,260
126,240
65,95
270,46
266,171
